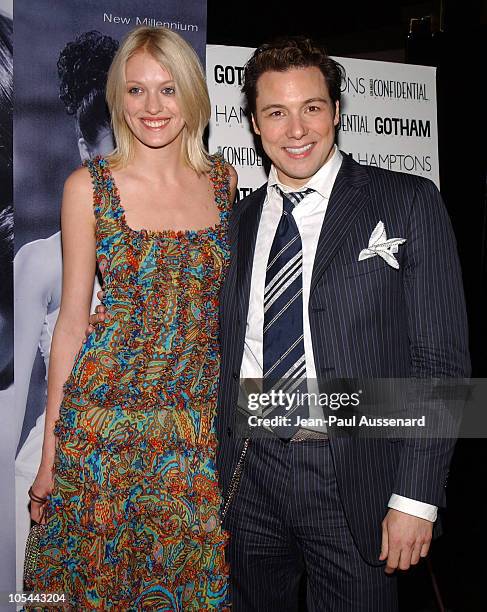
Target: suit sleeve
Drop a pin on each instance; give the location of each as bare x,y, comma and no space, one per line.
438,335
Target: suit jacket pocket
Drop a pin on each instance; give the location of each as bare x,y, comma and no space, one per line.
366,266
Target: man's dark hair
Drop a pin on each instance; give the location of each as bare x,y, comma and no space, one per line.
83,68
286,53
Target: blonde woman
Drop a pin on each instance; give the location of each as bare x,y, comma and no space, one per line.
127,484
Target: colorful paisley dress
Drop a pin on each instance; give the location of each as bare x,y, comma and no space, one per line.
133,520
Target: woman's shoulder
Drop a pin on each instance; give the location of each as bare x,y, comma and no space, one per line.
94,173
79,180
232,173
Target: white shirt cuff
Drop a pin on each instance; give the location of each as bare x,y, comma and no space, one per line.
414,507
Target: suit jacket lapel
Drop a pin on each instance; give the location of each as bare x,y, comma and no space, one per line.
346,202
247,235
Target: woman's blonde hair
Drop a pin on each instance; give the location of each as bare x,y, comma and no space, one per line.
179,59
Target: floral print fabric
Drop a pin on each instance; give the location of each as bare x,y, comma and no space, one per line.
133,520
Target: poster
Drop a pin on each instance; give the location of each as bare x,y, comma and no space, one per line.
387,116
62,54
7,442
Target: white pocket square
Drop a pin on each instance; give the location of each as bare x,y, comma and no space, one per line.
379,245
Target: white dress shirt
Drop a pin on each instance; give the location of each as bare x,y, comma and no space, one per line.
308,215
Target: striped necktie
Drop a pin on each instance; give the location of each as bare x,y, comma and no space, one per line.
284,365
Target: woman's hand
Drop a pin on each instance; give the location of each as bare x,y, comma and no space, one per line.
40,489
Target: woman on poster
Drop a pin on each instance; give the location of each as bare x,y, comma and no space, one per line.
127,483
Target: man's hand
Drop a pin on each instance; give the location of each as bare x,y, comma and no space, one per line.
405,538
98,317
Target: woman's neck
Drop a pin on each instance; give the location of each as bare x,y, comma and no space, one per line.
164,162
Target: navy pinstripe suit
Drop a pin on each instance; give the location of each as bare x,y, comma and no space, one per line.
367,320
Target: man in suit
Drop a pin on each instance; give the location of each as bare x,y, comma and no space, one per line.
345,511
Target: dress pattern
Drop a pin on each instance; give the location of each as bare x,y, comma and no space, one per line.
133,520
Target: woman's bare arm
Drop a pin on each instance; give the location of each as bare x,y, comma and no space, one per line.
79,262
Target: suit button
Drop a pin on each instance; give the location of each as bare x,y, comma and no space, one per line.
229,431
235,376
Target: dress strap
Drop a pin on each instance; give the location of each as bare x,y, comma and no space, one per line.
103,187
220,176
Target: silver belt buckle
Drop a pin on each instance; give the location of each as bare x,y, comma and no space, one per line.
308,434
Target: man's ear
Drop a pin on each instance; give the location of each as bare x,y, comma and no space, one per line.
336,118
83,149
255,126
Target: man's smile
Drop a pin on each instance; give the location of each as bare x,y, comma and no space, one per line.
299,152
